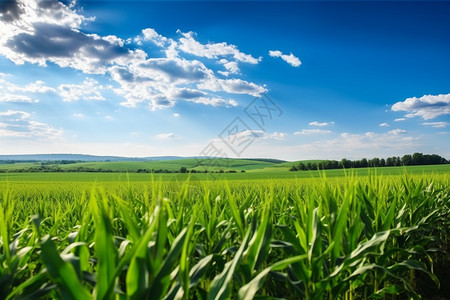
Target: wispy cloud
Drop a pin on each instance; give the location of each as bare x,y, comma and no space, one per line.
166,136
312,131
11,92
19,124
384,125
437,124
320,124
88,90
290,59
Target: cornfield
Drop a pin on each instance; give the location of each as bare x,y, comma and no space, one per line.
349,238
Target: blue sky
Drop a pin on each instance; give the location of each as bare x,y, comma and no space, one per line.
146,78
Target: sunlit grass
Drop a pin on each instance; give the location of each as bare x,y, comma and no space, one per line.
314,238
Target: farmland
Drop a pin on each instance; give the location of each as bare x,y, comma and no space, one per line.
266,233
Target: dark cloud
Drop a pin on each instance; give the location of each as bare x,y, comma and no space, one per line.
10,11
122,74
177,69
51,40
189,94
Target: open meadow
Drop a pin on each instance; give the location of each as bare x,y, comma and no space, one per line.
373,233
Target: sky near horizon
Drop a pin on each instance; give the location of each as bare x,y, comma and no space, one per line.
289,80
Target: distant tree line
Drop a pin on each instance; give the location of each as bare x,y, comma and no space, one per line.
56,169
60,162
12,161
415,159
46,162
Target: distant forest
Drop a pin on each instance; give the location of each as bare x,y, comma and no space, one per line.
415,159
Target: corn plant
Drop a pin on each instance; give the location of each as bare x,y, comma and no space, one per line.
348,238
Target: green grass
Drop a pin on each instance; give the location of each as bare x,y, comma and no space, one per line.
171,165
265,173
119,236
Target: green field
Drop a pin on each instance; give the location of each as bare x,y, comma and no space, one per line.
263,173
266,234
171,165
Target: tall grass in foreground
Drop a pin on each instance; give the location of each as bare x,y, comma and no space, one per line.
351,238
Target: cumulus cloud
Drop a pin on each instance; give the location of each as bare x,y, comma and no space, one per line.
188,44
384,125
49,31
428,106
150,34
234,86
172,70
318,124
436,124
312,131
88,90
290,59
18,124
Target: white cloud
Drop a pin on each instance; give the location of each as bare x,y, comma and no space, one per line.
318,124
276,135
15,98
290,59
34,87
397,131
189,45
10,92
234,86
384,125
166,136
254,134
78,115
312,131
176,115
88,90
400,119
214,101
18,124
428,106
231,67
224,73
49,31
42,32
150,34
109,118
437,124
